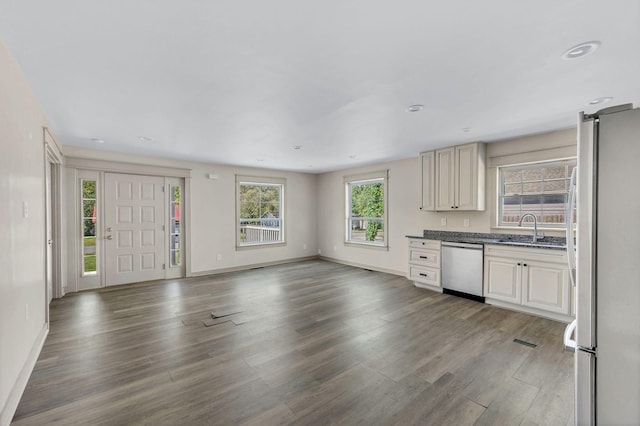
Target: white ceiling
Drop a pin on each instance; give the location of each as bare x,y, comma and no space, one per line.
243,81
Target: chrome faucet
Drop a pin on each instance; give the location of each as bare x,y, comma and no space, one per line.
535,225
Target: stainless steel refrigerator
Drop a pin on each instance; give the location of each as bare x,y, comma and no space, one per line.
606,263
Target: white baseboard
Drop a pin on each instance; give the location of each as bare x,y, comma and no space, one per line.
20,385
363,266
251,266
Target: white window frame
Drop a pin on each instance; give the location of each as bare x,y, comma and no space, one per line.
383,176
517,167
262,181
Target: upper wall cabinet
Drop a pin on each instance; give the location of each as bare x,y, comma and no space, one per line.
453,179
428,180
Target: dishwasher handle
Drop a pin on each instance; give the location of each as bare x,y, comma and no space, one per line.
469,246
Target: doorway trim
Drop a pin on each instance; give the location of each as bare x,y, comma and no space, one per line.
77,164
53,158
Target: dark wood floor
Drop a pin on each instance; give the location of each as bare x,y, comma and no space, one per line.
304,343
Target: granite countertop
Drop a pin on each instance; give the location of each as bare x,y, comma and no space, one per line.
516,240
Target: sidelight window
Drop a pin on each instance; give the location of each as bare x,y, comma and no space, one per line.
89,225
175,229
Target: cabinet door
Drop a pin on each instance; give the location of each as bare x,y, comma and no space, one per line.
546,286
445,179
502,279
428,181
466,185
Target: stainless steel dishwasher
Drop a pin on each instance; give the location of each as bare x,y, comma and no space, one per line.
462,269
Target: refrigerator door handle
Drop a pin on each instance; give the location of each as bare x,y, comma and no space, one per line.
571,252
569,343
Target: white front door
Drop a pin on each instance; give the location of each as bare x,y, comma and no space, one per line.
133,228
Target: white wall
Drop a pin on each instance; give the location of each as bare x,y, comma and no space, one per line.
212,214
404,216
22,247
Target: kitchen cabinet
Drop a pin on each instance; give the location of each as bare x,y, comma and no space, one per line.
424,263
428,164
528,279
502,279
454,178
545,286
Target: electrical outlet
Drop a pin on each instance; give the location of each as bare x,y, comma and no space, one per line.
219,257
335,248
304,246
443,221
466,223
25,209
319,251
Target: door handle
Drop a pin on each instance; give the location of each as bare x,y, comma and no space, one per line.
108,237
569,343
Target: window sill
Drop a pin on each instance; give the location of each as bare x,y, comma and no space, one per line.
259,246
367,245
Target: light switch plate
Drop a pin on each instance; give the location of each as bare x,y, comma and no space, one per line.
443,221
466,223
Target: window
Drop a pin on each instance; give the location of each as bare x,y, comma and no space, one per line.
260,206
539,188
366,209
89,223
174,225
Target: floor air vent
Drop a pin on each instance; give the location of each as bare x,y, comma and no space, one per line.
522,342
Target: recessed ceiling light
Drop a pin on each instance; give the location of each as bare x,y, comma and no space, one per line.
260,160
297,147
353,157
415,108
599,101
145,139
580,50
97,140
466,129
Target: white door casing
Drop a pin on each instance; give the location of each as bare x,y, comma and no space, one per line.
134,236
49,228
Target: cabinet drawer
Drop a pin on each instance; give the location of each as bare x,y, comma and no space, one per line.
430,258
424,244
425,275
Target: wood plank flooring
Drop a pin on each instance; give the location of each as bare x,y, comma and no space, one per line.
304,343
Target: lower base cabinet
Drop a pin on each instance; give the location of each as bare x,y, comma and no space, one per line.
424,263
528,279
